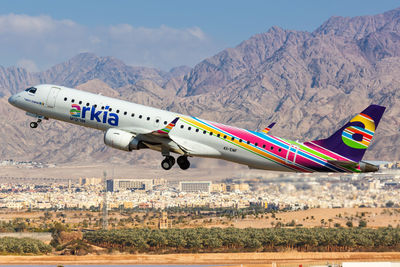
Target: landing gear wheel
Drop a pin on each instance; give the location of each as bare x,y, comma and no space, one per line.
168,162
183,162
171,160
33,124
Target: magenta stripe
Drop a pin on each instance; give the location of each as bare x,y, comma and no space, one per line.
240,133
325,151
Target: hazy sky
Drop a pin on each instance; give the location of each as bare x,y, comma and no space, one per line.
163,34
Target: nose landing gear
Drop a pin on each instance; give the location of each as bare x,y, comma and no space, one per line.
35,124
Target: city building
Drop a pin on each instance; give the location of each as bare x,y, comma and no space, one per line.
218,188
163,222
195,186
90,181
117,185
243,187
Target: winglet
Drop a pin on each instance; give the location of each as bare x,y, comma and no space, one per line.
266,130
165,131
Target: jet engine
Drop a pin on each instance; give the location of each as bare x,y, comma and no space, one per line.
122,140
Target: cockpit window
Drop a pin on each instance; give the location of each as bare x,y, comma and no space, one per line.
31,90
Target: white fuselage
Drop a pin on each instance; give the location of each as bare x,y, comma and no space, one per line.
101,112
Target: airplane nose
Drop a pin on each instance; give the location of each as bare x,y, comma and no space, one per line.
11,99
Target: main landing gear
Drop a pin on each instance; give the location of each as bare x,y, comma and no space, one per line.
183,162
169,161
35,124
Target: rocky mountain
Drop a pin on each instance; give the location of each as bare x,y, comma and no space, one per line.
83,68
309,82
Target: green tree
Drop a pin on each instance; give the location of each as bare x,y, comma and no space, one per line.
362,223
349,224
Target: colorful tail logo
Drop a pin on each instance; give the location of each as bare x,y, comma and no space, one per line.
75,110
359,137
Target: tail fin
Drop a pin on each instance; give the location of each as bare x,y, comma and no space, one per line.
352,140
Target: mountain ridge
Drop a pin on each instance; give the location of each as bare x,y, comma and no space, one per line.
311,83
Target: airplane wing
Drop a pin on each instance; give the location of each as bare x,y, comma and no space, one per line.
158,139
162,132
267,129
161,138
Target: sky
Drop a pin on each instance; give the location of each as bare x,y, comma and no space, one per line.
163,34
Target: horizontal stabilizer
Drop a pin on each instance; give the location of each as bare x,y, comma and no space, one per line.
364,166
344,163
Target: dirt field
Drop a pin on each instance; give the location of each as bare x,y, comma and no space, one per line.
375,217
247,259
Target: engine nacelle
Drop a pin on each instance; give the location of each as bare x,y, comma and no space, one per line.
122,140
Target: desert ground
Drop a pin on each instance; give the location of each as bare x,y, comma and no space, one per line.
375,217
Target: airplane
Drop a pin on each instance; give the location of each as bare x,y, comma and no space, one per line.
128,126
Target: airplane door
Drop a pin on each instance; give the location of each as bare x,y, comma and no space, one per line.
292,153
51,98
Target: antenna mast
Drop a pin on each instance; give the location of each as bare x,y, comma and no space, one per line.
105,213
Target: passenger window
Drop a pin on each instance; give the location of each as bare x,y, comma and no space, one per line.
72,100
211,133
272,148
279,150
197,130
204,132
102,107
181,126
65,99
110,109
125,113
117,110
80,102
165,122
248,142
218,135
256,144
264,146
189,128
224,136
140,116
232,138
95,106
87,104
148,118
157,120
240,140
133,115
